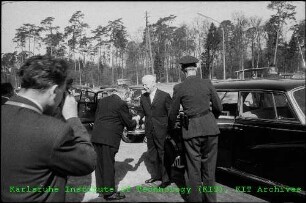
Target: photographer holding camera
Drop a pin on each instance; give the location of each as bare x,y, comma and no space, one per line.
38,150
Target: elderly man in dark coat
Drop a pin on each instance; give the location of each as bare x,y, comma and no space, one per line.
200,128
112,115
38,151
155,106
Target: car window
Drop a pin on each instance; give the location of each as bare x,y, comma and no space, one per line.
299,96
257,105
283,109
77,94
101,95
229,101
87,96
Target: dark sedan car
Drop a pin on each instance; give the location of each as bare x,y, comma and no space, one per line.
263,136
87,104
134,107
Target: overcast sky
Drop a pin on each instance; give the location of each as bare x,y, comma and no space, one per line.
15,14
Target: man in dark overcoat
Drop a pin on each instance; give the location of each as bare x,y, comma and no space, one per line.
200,128
38,151
155,106
112,115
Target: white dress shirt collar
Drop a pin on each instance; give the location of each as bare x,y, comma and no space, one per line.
152,95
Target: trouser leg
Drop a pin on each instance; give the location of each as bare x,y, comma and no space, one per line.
153,158
209,152
105,171
193,169
159,145
99,167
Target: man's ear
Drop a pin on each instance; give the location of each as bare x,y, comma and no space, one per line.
53,89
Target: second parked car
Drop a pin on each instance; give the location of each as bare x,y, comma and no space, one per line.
263,134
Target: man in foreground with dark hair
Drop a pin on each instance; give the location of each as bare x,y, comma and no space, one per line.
38,151
112,115
7,91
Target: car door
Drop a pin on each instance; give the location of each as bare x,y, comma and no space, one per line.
229,101
271,142
87,106
253,129
285,154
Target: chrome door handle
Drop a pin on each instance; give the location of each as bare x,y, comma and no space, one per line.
237,128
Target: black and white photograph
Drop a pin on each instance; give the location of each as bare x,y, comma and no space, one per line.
153,101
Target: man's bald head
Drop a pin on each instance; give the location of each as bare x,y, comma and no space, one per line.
149,83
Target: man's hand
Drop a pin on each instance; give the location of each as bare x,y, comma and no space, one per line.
70,107
136,118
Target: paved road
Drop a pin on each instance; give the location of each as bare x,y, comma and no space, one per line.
132,169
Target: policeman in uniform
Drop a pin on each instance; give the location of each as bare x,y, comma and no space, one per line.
200,128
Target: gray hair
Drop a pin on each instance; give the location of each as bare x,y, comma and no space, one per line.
149,77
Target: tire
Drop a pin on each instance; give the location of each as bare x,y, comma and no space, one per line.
145,139
125,137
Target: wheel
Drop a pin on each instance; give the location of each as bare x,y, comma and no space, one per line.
125,137
145,139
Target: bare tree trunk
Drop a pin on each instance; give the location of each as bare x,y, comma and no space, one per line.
168,68
99,58
179,74
33,45
74,62
122,64
242,65
276,45
80,76
253,57
112,55
136,66
29,45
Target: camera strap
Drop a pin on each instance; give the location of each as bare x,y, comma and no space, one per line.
22,105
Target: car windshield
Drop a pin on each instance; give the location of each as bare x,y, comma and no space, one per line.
299,96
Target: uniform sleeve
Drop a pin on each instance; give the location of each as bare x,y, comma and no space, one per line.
216,102
174,108
126,117
73,153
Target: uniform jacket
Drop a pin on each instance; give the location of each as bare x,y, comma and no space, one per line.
41,151
111,116
156,114
195,95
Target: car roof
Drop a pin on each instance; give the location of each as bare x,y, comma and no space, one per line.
136,87
265,84
108,89
83,87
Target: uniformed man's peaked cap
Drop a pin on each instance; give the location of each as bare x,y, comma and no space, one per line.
188,60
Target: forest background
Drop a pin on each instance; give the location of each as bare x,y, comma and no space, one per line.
100,55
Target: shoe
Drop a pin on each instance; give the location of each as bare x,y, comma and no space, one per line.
151,180
164,184
114,196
